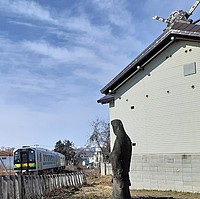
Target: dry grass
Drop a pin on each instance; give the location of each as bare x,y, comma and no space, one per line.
100,187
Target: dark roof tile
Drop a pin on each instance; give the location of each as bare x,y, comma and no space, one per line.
186,27
106,99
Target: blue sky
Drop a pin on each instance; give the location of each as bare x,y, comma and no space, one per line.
57,55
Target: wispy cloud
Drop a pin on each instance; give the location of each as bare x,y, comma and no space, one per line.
117,13
29,9
24,24
55,58
86,52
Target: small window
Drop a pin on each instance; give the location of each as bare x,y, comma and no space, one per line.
189,69
112,104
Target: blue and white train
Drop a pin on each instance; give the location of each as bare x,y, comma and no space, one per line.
37,160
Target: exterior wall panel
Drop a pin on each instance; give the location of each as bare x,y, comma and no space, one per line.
160,106
160,110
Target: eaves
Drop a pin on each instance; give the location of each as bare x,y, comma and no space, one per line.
152,51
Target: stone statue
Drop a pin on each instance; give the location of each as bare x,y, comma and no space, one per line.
120,160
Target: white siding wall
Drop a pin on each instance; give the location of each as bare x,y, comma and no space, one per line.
163,122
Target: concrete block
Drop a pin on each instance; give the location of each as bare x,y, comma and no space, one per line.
161,159
178,176
195,161
178,185
196,183
162,186
195,169
170,185
161,169
188,188
140,185
187,170
146,168
138,158
138,166
147,181
196,177
161,176
169,170
196,189
186,165
187,183
187,177
195,164
186,159
169,176
133,185
145,159
178,161
154,184
153,168
178,170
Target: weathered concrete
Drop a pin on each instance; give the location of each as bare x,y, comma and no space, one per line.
36,186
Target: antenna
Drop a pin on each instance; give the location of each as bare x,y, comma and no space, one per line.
179,15
192,9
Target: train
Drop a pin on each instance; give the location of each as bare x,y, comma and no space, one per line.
29,160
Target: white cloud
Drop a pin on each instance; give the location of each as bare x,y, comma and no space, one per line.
50,77
27,8
24,24
117,13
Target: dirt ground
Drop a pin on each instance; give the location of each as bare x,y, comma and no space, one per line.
100,187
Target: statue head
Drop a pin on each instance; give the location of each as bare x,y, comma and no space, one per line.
117,126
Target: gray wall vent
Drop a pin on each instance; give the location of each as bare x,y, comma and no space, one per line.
189,69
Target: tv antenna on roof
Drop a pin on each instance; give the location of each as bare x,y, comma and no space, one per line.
179,15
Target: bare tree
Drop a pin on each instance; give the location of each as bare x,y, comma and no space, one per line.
100,137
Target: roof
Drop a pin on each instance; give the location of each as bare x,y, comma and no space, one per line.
178,31
5,153
106,99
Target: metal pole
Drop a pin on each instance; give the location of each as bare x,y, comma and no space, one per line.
36,158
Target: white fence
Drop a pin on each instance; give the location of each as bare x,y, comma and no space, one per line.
37,186
106,168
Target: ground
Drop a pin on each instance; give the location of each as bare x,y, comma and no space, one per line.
100,187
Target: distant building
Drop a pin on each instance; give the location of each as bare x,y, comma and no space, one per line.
85,155
6,162
91,155
157,98
98,156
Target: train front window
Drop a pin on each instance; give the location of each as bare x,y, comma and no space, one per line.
24,157
31,156
16,157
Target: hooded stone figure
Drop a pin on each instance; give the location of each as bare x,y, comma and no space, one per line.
120,160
